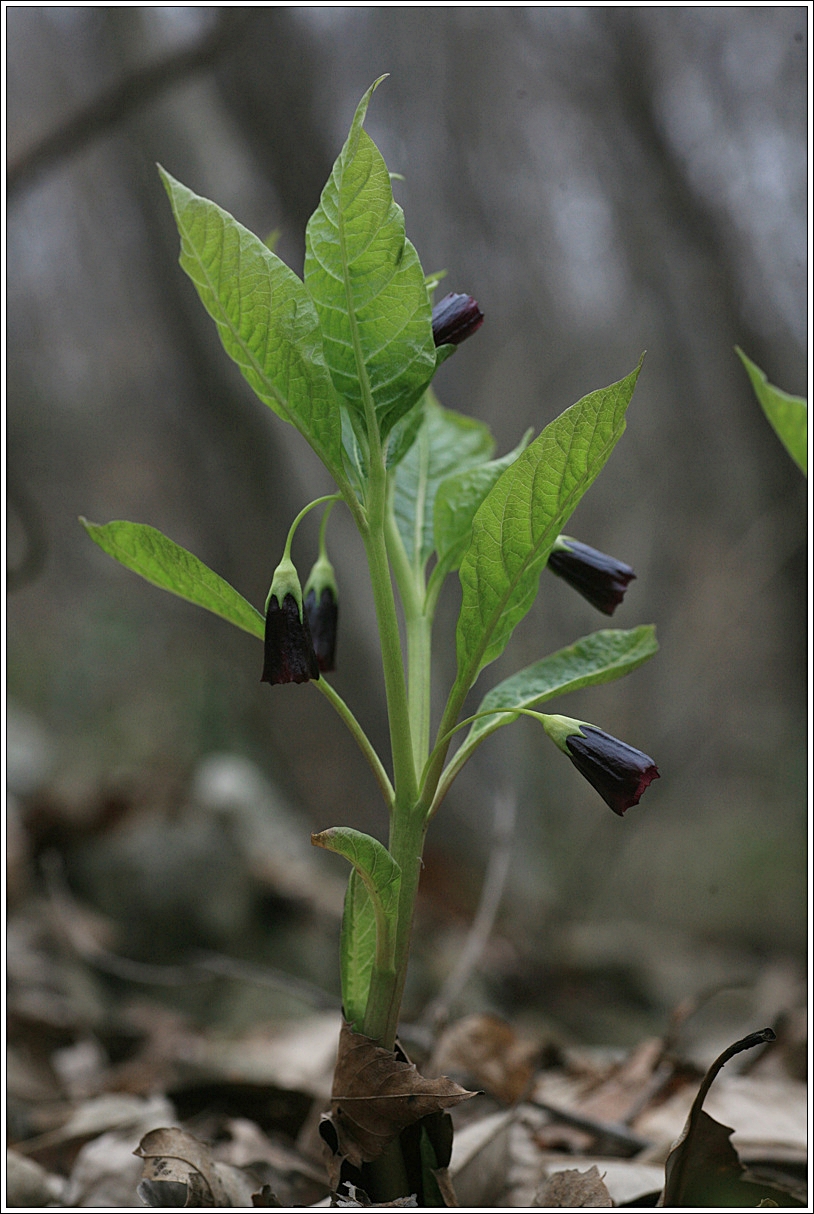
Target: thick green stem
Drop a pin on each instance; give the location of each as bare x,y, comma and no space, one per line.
407,830
407,819
419,642
410,582
401,745
373,536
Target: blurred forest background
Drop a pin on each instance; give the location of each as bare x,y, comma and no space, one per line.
604,180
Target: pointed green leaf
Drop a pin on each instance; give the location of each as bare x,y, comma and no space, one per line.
519,520
265,317
457,503
447,442
600,657
368,286
357,950
165,564
380,876
787,414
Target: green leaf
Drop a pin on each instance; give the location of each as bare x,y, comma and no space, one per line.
787,414
368,286
403,434
447,442
165,564
457,502
357,950
265,317
520,518
380,876
600,657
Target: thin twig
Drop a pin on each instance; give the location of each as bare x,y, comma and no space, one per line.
201,967
264,975
613,1130
437,1012
134,90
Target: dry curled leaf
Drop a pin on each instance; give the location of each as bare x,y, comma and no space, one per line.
375,1096
180,1170
703,1168
572,1189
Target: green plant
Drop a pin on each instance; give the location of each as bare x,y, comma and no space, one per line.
787,414
347,357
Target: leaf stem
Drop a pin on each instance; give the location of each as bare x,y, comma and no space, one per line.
365,745
418,624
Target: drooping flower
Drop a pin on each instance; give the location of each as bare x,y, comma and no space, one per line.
322,602
599,578
619,773
322,612
454,318
289,655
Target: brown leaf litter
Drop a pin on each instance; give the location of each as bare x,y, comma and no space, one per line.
376,1095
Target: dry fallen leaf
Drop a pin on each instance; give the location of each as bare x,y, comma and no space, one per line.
375,1096
703,1169
180,1170
487,1049
29,1186
480,1159
572,1189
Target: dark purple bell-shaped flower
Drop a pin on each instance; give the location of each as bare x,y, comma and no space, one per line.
322,613
600,579
289,649
454,318
322,609
618,772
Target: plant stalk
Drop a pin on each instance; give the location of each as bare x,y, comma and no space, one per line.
365,745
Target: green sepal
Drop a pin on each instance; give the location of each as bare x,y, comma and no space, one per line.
560,728
322,577
285,581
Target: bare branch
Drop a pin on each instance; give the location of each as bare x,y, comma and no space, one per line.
134,90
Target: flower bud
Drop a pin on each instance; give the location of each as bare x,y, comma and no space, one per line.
289,650
618,772
454,318
600,579
322,611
